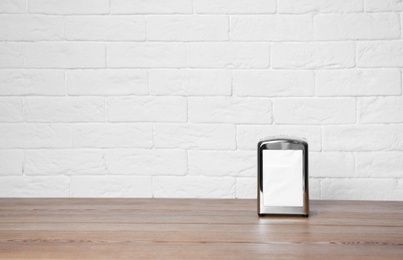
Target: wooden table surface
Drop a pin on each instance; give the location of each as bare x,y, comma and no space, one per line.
196,228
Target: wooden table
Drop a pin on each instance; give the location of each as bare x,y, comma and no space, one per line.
196,228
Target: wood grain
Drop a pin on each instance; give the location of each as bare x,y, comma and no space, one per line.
196,228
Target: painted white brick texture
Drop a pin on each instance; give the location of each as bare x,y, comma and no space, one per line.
35,186
22,82
169,98
234,6
146,109
222,163
313,55
229,110
66,161
68,7
64,109
150,55
193,187
229,55
11,109
380,164
383,5
190,82
388,54
11,162
357,26
64,55
272,83
319,6
111,186
331,164
381,110
314,111
42,135
112,135
246,188
13,6
31,28
359,189
146,162
358,82
151,7
188,136
272,28
109,82
11,55
363,138
105,28
187,28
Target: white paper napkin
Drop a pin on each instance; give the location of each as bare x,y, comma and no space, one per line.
282,178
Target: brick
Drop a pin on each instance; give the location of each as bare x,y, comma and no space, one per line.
146,161
31,28
112,135
234,6
320,6
383,5
314,111
246,188
363,138
64,109
13,6
147,109
222,163
361,189
350,26
380,54
380,110
193,187
229,110
105,28
380,164
146,55
249,135
229,55
10,109
272,83
34,135
313,55
111,186
151,7
331,164
314,189
190,82
187,28
21,82
195,136
109,82
272,28
11,55
358,82
11,162
34,186
64,161
64,55
68,7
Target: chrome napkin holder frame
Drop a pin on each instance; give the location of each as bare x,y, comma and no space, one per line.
283,143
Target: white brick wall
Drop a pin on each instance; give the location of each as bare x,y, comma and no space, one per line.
168,98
